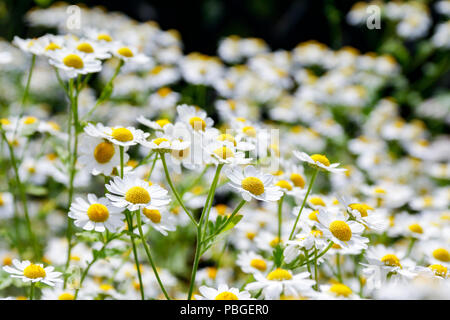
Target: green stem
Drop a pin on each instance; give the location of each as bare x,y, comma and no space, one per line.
172,187
280,216
33,285
338,266
315,269
103,93
313,177
149,256
22,193
153,167
129,218
320,254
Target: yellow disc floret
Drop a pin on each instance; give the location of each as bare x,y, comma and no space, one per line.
122,134
284,184
197,123
249,130
279,275
153,214
416,228
137,195
361,208
340,289
224,152
104,37
321,158
253,185
441,254
103,152
226,295
258,264
33,271
98,212
125,52
341,230
85,47
73,61
439,270
391,260
52,46
298,180
227,137
66,296
162,122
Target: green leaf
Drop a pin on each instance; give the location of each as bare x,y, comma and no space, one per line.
235,220
36,191
278,255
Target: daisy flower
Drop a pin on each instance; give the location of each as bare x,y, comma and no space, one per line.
120,136
251,262
337,291
95,49
252,183
74,63
318,161
281,281
128,54
195,118
158,124
134,193
159,219
98,155
225,153
95,214
223,292
30,272
340,230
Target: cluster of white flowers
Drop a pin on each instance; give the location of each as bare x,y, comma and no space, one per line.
244,148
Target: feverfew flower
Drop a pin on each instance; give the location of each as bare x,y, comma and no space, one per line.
30,272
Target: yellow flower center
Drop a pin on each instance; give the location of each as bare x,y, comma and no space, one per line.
212,272
259,264
361,207
126,52
227,137
7,261
98,212
226,295
103,152
250,235
197,123
441,254
279,275
30,120
439,270
275,241
391,260
33,271
2,202
153,214
122,134
379,190
52,46
317,201
249,130
106,287
284,184
104,37
164,91
137,195
221,209
162,122
158,141
253,185
224,152
340,289
73,61
341,230
313,215
66,296
5,121
85,47
298,180
316,233
416,228
321,158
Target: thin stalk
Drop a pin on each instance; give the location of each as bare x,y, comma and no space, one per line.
315,269
172,187
280,216
32,290
320,254
313,177
136,259
338,266
149,255
22,193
